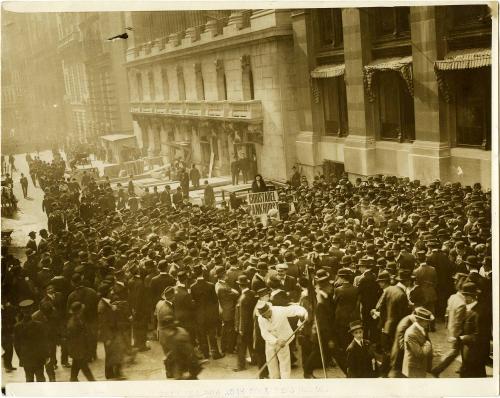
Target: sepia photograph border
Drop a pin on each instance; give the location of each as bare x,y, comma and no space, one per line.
293,387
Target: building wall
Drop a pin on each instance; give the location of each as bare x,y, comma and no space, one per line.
433,153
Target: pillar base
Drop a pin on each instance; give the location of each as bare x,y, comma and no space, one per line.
359,155
428,161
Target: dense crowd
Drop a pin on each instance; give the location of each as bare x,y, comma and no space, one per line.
361,271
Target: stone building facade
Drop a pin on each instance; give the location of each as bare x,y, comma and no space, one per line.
221,86
401,91
96,91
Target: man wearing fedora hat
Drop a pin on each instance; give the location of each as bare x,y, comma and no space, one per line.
474,340
277,333
360,358
324,331
392,306
206,313
80,342
417,346
244,322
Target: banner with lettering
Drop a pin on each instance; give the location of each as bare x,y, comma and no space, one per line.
260,203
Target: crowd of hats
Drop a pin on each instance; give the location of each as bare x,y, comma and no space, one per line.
396,213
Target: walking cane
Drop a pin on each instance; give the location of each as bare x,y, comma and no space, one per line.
279,349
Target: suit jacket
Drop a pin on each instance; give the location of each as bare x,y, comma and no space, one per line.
360,360
243,317
455,314
398,348
30,342
232,276
227,300
184,307
369,293
474,344
88,297
158,285
291,287
393,306
418,353
325,317
206,304
346,305
258,282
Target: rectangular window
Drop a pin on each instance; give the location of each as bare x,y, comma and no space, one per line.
391,22
464,16
330,27
335,106
396,109
473,107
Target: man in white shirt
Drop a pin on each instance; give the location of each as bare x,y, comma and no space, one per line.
277,333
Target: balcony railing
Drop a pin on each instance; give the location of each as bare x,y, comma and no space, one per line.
231,110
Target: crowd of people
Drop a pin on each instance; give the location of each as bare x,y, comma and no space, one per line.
347,274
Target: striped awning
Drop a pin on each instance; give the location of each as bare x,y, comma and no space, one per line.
470,58
402,65
326,71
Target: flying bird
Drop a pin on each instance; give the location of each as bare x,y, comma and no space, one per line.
123,36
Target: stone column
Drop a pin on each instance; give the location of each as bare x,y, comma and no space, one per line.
151,139
429,156
359,146
309,114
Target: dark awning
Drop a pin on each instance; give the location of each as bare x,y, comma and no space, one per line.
470,58
402,65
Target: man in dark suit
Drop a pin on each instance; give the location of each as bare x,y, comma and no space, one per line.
207,313
30,342
227,304
160,281
88,297
392,306
474,341
360,358
323,325
288,283
243,321
258,280
369,293
184,307
346,308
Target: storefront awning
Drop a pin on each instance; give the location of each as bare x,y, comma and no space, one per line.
402,65
470,58
327,71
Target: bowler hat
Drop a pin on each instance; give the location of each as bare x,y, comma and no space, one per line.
243,280
26,303
383,276
469,289
345,272
321,275
404,275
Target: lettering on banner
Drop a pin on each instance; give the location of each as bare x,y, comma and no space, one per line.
260,203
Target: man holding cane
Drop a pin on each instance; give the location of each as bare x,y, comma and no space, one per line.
277,333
